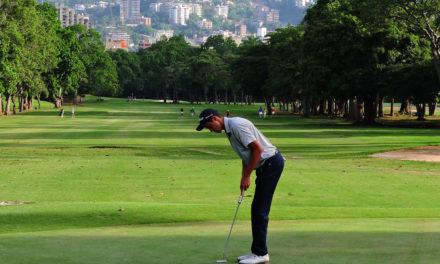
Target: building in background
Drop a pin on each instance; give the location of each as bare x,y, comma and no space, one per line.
159,34
130,11
120,35
266,15
204,24
112,44
304,3
179,14
273,16
222,10
261,33
195,9
69,17
240,30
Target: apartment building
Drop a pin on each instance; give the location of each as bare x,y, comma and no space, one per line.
205,24
130,11
304,3
179,14
68,17
222,10
240,30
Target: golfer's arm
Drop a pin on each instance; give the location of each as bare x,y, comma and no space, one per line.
256,150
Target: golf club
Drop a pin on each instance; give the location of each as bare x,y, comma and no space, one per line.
227,240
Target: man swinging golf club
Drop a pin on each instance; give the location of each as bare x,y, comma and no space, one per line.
257,153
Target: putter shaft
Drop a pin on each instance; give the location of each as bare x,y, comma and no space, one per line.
233,221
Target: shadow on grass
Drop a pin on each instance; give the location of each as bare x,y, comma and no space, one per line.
192,134
204,244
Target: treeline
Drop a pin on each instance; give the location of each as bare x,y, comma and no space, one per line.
346,58
40,59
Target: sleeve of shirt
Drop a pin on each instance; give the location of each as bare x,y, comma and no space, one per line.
244,135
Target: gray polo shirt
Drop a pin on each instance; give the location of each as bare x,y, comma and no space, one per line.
241,132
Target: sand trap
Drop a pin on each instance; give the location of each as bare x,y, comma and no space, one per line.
427,153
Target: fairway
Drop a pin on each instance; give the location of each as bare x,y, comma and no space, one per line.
133,182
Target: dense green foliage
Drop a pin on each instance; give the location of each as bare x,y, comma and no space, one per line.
40,59
346,58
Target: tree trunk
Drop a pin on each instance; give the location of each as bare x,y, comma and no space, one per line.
31,103
164,93
242,99
20,100
370,107
432,107
354,110
340,105
294,107
75,98
392,107
331,107
8,105
234,96
226,96
175,95
381,107
268,106
305,105
205,93
421,109
2,108
13,105
215,95
436,56
322,104
404,108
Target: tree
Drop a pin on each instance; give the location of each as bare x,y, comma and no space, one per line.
422,17
284,65
129,72
347,45
71,72
165,63
251,68
101,78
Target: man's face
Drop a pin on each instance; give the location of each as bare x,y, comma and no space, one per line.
214,125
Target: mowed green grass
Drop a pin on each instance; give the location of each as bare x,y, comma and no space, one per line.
135,183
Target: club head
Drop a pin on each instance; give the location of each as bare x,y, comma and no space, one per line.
221,261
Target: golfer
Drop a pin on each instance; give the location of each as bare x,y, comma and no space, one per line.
257,153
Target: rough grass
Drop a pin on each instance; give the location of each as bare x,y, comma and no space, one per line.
135,183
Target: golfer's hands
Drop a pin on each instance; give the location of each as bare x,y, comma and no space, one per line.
245,183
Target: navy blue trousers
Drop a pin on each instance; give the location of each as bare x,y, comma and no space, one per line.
265,184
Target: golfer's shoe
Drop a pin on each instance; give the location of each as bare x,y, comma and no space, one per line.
250,254
254,259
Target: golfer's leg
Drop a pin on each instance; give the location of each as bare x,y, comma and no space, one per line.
265,184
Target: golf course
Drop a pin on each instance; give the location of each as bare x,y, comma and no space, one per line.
134,182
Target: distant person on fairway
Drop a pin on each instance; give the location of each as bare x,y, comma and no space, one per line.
272,112
264,113
62,113
257,153
73,112
228,113
181,112
192,111
260,112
